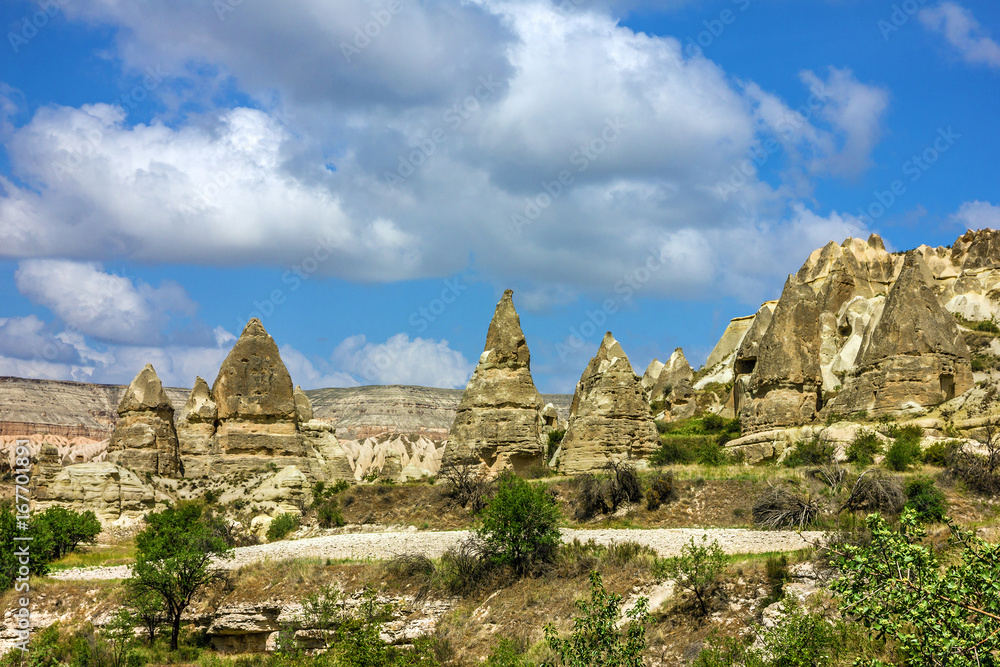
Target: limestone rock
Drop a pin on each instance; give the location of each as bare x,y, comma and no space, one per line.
285,493
255,399
609,418
109,490
785,386
144,439
303,408
913,357
681,402
651,375
196,431
676,370
499,419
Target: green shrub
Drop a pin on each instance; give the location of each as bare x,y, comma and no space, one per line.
811,452
281,526
596,638
328,514
697,571
926,499
519,524
661,426
507,654
864,447
555,439
67,529
712,454
676,449
902,454
938,453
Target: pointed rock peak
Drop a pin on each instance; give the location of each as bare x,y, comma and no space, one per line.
611,353
254,328
200,405
253,380
654,369
678,357
200,391
145,393
913,320
303,406
875,241
505,341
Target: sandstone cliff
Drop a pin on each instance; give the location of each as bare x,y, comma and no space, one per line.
144,439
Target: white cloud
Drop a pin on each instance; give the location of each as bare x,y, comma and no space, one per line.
961,29
102,305
30,339
304,372
978,215
644,133
400,360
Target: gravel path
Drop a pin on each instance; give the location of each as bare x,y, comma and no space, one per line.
378,546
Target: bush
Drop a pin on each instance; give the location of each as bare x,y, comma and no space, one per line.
974,470
67,529
596,638
864,447
937,453
712,454
676,449
778,508
519,524
697,571
507,654
833,475
604,495
661,491
466,482
281,526
876,491
810,453
926,499
905,449
328,514
661,426
625,486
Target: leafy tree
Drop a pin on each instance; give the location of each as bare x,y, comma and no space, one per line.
12,552
697,570
595,639
67,529
938,615
147,607
280,526
120,637
519,525
173,559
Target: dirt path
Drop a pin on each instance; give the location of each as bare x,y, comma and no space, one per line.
379,546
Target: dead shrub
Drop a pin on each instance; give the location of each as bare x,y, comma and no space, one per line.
599,495
833,475
876,491
661,491
591,498
408,566
979,473
778,508
467,483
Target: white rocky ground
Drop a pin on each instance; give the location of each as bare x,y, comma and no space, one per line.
386,544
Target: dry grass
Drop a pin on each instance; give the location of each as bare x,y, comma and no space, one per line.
98,555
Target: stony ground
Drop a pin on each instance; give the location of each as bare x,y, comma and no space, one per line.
384,545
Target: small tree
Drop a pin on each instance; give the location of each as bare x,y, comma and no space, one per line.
519,525
173,558
937,615
11,550
147,607
120,637
697,570
67,529
596,639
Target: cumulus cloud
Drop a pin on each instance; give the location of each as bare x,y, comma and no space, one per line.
963,32
978,215
400,360
30,339
308,373
545,147
102,305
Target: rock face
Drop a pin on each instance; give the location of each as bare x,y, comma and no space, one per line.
196,431
111,491
499,420
303,408
144,439
785,386
674,372
913,356
609,418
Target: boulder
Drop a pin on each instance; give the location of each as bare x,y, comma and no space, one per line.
109,490
913,357
499,420
287,492
144,438
609,418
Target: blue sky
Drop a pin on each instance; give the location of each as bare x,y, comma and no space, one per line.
369,176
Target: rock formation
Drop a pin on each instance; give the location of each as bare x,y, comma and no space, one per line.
785,388
196,431
499,420
674,372
609,418
651,375
144,440
303,408
914,355
109,490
